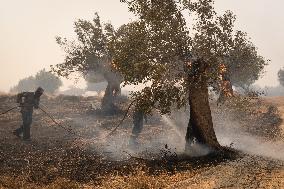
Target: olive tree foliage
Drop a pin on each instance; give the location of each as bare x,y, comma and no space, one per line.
281,77
180,60
161,47
154,50
91,55
45,79
90,52
245,66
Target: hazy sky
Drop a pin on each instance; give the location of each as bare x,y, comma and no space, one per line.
28,29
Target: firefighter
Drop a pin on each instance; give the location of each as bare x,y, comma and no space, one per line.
138,122
28,101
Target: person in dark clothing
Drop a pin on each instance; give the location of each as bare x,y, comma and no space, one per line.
138,122
28,101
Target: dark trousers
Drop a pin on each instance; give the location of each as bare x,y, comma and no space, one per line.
137,126
27,117
137,123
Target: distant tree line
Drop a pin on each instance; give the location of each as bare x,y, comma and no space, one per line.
43,78
281,76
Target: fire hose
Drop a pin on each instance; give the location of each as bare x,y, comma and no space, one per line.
66,129
9,110
61,126
70,130
121,121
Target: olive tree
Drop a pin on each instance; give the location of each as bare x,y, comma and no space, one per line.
26,84
245,66
45,79
91,55
179,60
48,81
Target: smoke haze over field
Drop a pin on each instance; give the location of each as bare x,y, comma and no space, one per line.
229,133
28,30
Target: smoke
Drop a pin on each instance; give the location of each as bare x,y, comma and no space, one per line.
230,133
156,137
253,145
148,145
178,123
170,130
167,135
274,91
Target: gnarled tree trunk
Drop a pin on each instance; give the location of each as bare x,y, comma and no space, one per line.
113,89
200,126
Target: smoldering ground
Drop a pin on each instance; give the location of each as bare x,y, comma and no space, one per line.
158,132
172,128
54,154
231,133
170,131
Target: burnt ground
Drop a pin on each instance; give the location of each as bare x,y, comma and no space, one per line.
56,158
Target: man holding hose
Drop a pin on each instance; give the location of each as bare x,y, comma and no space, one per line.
28,101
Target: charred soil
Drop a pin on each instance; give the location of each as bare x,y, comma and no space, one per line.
55,158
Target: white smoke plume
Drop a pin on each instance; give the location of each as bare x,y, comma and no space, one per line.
230,133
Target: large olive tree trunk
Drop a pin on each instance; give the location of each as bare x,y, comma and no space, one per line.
200,126
112,90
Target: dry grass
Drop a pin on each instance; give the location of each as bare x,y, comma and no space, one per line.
142,180
21,182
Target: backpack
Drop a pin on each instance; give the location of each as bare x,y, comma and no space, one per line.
25,98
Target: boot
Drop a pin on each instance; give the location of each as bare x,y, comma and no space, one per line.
16,133
26,133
